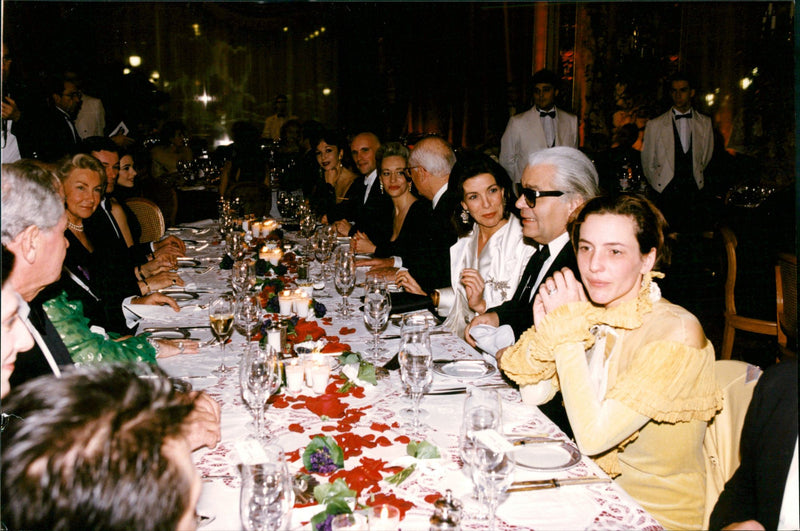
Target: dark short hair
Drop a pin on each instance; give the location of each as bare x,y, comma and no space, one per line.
681,75
97,144
332,138
468,165
545,76
86,451
7,264
651,226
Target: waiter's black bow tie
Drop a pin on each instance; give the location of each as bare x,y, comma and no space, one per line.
679,116
551,114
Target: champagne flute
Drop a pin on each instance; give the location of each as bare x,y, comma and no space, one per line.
416,364
252,277
220,316
344,277
377,304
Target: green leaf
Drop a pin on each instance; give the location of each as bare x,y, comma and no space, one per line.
366,373
336,491
396,479
422,450
349,358
333,508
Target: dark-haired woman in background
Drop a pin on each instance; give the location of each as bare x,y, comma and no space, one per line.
489,257
329,198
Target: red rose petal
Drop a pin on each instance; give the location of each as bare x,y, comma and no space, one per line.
297,428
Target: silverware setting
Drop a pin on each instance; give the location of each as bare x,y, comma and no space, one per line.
461,389
432,333
540,484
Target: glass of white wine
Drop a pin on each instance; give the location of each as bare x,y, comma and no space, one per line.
220,316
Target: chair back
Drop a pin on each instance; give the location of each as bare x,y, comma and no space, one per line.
786,295
255,198
737,380
150,218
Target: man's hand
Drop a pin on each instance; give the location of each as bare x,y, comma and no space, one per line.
488,318
170,241
164,280
10,110
157,299
159,264
408,283
343,227
387,274
202,426
376,263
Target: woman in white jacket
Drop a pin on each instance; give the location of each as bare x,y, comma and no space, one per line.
489,257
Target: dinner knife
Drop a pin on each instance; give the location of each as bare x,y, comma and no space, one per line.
540,484
432,333
162,328
459,390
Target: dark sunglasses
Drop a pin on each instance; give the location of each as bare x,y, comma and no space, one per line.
532,195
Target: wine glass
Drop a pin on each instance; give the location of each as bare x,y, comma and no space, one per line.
344,278
220,316
323,250
252,277
267,495
248,312
260,376
377,304
493,471
239,277
416,364
482,411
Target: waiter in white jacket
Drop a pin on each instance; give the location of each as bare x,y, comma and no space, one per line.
542,126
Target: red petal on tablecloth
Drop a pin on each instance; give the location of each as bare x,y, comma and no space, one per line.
294,455
327,405
402,439
345,330
376,426
297,428
383,441
353,444
334,346
430,498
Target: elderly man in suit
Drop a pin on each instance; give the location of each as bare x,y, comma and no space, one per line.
677,148
541,127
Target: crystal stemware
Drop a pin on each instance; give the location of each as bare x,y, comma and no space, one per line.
248,313
260,377
493,471
344,277
220,316
267,495
416,364
239,277
377,305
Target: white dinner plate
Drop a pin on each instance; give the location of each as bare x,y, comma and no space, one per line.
188,262
542,453
472,369
183,296
176,333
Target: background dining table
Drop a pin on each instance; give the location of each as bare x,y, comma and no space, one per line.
367,424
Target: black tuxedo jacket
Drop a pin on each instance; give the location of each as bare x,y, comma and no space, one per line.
53,136
430,264
373,217
519,313
32,364
755,492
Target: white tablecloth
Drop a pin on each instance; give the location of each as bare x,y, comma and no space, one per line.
372,423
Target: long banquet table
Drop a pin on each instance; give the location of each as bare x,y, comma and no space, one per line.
366,424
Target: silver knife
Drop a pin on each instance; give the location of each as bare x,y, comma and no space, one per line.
540,484
460,390
162,328
432,333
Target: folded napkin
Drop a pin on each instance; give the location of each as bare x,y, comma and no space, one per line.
562,508
490,339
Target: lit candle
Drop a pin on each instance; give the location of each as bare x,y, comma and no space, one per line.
384,517
246,225
294,376
255,228
301,303
263,253
274,338
320,372
286,302
307,287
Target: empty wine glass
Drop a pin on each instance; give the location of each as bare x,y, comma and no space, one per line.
239,277
416,364
220,316
493,471
324,245
344,277
252,277
267,495
260,377
248,313
377,305
482,411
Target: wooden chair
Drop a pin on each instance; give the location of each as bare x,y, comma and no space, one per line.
734,321
150,218
786,295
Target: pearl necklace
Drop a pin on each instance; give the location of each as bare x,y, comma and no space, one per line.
75,227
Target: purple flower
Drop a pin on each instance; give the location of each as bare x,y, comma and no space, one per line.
326,524
319,309
322,463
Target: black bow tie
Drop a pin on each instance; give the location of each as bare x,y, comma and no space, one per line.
551,114
679,116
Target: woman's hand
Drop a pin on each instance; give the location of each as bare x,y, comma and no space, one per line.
473,283
164,280
342,227
157,265
404,280
362,243
157,299
561,288
175,347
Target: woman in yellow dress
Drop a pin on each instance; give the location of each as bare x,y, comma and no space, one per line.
636,372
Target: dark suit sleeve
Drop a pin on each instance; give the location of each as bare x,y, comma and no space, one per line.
755,492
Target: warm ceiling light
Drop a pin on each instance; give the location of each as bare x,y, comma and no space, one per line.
746,82
196,29
155,75
134,60
126,71
285,29
326,91
322,29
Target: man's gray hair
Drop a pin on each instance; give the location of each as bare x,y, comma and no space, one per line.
575,173
31,196
433,154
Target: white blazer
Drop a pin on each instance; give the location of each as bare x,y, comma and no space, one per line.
658,150
525,135
501,265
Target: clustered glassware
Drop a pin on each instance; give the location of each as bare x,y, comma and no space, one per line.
344,277
220,316
248,314
482,411
377,305
267,495
260,376
416,365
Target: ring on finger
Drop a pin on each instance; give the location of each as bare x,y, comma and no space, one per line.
180,346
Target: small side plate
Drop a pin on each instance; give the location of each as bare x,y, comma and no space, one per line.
170,333
188,262
543,453
472,369
183,296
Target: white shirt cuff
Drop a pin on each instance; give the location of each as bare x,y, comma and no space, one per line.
398,262
131,319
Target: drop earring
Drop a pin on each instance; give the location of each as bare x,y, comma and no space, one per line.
380,183
464,216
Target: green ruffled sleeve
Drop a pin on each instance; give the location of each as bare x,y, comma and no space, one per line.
83,345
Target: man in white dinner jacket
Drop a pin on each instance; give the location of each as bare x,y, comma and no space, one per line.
677,148
542,126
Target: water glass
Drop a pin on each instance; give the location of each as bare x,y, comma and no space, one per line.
266,496
260,377
493,472
239,276
416,364
344,277
377,305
